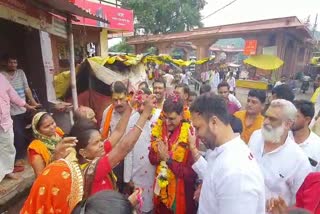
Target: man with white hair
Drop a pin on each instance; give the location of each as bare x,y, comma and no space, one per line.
282,162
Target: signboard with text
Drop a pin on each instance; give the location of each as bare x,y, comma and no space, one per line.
250,47
120,19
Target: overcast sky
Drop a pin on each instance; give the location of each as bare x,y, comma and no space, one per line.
250,10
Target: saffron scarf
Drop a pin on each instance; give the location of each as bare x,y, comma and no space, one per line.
106,126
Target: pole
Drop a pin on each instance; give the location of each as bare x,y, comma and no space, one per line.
72,65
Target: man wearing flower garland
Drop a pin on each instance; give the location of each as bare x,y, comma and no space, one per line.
175,179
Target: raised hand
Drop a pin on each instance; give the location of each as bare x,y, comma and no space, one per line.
63,147
149,104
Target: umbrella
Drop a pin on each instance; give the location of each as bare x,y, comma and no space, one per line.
265,62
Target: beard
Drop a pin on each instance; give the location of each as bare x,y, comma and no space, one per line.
272,135
209,140
296,127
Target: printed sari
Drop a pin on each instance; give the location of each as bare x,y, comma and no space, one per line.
57,190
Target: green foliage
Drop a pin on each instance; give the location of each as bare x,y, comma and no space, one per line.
122,47
236,42
152,51
165,16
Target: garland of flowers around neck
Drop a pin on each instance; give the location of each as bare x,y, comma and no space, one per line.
177,152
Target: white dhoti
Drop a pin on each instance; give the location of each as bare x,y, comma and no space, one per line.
8,152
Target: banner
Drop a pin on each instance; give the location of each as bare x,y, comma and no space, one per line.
120,19
250,47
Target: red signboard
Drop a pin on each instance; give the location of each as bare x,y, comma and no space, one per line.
250,47
119,18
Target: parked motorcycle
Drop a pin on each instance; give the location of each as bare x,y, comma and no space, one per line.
305,86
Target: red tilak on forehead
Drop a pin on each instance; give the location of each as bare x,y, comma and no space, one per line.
138,97
174,97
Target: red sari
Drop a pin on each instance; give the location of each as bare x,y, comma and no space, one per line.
98,174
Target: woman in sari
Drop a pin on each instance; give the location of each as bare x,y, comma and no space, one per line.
60,186
45,148
98,158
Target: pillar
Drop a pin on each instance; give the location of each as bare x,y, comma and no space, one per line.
104,42
139,48
281,46
202,48
163,47
293,65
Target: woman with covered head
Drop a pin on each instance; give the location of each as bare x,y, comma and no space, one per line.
61,185
49,144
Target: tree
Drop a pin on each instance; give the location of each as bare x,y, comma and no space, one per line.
122,47
165,16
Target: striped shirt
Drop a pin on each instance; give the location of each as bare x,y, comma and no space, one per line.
20,84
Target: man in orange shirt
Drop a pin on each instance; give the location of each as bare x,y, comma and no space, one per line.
251,118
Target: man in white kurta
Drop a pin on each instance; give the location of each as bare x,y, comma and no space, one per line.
232,180
282,161
137,167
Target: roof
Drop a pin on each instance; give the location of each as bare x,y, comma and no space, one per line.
229,31
64,7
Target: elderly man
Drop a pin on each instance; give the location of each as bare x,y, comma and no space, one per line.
281,160
8,95
84,112
232,180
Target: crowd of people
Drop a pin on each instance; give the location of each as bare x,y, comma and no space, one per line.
166,150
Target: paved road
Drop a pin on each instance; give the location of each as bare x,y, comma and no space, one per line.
242,94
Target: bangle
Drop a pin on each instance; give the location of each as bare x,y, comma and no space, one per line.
139,127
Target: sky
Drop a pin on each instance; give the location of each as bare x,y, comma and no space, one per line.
251,10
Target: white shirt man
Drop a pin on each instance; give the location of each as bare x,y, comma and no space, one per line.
308,141
284,169
282,162
137,167
232,180
169,79
214,80
311,146
233,99
230,168
184,79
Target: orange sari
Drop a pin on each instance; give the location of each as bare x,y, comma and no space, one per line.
37,147
57,190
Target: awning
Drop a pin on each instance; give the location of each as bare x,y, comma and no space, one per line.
265,62
65,8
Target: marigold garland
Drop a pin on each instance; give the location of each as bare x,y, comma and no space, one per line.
166,178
